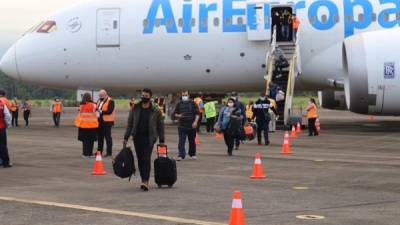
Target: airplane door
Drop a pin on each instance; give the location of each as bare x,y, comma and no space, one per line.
108,28
259,24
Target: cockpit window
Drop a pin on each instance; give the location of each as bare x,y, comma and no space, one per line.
47,27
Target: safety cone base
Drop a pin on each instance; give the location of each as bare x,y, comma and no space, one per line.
258,177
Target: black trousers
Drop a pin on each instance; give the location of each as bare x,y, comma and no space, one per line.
229,141
3,147
104,132
56,119
27,113
87,148
143,153
210,124
14,121
312,129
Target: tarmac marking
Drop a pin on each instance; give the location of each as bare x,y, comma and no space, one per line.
111,211
300,188
310,217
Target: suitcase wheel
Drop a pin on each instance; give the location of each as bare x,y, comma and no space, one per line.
159,186
170,185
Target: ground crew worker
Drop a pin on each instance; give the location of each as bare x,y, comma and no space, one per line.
145,125
188,115
272,124
4,99
56,109
5,122
27,107
14,111
88,123
210,111
263,118
200,104
106,108
249,111
312,115
296,24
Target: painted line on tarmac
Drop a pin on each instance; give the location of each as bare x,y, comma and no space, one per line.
111,211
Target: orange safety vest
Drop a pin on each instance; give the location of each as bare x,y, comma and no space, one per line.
6,102
57,107
312,111
87,117
14,106
106,118
296,23
198,101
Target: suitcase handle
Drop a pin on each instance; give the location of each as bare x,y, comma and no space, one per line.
158,150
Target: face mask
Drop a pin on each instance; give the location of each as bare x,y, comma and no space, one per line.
185,98
230,104
262,98
145,100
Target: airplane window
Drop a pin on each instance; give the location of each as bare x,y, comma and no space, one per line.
145,23
311,19
170,22
349,18
240,20
193,22
373,17
360,17
216,21
387,16
180,22
158,22
336,18
324,18
228,21
47,27
204,22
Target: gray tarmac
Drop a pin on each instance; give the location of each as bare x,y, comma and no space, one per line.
351,173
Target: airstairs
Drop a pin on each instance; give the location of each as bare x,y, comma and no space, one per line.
283,79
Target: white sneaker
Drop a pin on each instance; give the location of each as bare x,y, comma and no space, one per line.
179,159
193,157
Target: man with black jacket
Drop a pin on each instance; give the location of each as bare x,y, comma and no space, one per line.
145,125
188,115
261,114
106,108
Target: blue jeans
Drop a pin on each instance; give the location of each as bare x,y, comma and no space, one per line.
285,31
191,134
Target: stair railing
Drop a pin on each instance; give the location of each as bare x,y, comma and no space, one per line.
270,57
290,89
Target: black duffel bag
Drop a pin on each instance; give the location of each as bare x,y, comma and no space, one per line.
124,163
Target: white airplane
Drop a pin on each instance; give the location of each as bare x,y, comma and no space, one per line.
216,46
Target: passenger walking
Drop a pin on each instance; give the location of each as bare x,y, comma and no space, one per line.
87,122
230,122
188,115
106,108
56,108
14,111
312,115
27,107
296,24
145,125
286,21
4,99
199,102
272,124
211,114
5,122
238,104
263,118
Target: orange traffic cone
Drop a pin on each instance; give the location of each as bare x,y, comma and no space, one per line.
294,132
197,139
219,135
98,168
318,125
237,212
298,128
258,171
286,145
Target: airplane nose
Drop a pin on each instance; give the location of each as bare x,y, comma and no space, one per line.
8,63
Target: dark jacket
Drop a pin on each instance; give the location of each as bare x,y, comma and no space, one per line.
156,126
188,110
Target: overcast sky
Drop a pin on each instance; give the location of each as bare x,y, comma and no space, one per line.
17,16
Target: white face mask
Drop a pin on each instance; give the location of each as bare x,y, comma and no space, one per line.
231,104
262,98
185,98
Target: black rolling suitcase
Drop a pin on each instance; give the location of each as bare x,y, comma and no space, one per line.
165,172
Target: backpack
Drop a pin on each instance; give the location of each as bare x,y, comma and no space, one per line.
124,163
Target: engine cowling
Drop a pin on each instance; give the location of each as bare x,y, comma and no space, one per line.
372,66
330,99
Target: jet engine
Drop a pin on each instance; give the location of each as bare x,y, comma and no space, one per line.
330,99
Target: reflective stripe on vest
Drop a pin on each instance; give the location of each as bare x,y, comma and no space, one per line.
107,118
87,117
57,107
